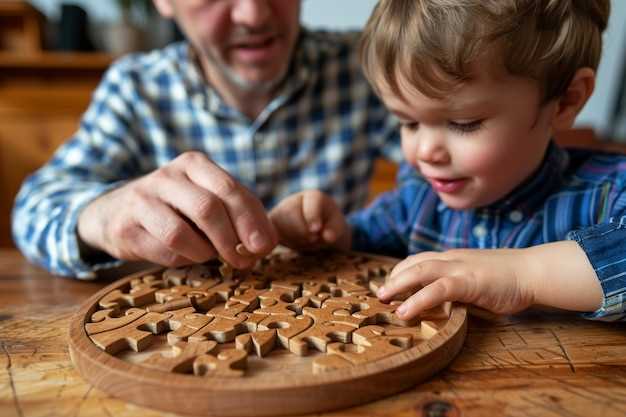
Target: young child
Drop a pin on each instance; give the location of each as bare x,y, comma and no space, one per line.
495,212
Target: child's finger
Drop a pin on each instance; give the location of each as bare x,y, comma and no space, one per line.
414,277
313,210
432,295
411,261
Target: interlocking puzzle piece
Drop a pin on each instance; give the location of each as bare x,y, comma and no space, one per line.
182,357
248,296
329,325
184,323
221,329
370,309
227,363
274,307
140,293
370,343
230,309
136,335
286,327
262,341
109,319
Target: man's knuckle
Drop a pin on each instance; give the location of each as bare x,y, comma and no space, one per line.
226,187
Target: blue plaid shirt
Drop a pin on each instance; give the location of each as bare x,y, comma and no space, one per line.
323,130
575,194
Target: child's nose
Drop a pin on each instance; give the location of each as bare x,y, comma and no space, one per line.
252,13
431,147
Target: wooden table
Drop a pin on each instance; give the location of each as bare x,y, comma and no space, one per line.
528,365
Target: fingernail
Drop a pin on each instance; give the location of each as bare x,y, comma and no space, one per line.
242,250
381,292
258,241
315,227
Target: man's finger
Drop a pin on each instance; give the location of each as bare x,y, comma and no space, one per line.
246,213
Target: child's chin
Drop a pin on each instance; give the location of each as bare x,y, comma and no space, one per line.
458,204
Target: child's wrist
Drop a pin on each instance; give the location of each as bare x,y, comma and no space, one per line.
530,274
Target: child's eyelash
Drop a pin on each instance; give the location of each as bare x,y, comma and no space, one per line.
466,127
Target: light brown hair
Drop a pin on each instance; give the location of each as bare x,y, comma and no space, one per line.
433,44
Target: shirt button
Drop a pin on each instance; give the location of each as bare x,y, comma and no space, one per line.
479,231
516,216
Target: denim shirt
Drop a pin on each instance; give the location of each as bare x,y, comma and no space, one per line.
574,195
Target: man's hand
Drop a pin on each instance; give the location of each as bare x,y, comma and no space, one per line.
187,211
503,281
310,220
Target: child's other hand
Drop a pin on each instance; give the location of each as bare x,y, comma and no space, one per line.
487,278
309,220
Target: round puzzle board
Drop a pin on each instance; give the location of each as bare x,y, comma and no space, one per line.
297,334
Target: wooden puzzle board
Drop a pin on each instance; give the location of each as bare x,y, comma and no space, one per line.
297,334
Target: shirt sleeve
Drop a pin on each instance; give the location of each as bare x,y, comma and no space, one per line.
385,226
99,157
605,247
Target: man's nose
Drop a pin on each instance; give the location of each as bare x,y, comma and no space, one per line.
251,13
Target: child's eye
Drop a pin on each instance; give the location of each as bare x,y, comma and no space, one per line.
410,125
466,127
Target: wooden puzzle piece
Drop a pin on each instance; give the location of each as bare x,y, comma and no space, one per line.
335,314
370,343
208,297
230,309
328,326
227,363
140,293
175,276
248,296
286,327
274,307
136,335
370,309
181,358
252,320
221,329
262,341
184,323
109,319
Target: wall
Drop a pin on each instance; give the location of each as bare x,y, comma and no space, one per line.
351,14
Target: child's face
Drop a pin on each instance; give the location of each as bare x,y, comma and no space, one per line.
476,145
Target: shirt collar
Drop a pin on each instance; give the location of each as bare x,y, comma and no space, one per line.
299,73
533,192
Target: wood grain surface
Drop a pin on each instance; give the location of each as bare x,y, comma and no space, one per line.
535,364
118,354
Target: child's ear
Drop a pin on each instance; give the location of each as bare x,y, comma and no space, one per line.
574,98
164,8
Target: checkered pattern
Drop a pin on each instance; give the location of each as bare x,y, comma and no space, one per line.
323,130
575,194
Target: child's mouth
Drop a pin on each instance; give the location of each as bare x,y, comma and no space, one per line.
448,186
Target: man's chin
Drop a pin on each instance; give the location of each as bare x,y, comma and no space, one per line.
254,84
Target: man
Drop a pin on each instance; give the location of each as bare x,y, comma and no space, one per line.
183,149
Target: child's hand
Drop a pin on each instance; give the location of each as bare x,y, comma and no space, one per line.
309,220
486,278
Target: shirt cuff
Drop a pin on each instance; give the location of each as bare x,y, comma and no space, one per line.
605,247
79,267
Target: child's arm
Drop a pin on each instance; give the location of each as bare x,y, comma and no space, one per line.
503,281
310,219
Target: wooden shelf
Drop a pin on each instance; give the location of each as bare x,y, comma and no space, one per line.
56,60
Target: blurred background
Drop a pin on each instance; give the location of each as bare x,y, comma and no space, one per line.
54,52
